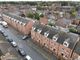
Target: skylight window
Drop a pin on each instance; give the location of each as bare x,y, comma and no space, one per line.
20,22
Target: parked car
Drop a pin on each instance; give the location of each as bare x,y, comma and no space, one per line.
21,51
4,24
25,37
13,44
1,31
10,40
27,57
5,35
7,38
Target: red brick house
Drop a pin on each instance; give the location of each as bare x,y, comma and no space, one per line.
61,43
76,22
21,24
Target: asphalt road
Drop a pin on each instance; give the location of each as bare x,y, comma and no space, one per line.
31,49
6,47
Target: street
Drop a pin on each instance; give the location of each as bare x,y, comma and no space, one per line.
31,49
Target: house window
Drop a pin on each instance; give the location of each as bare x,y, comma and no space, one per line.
55,37
14,19
54,49
66,44
39,30
20,22
46,34
62,54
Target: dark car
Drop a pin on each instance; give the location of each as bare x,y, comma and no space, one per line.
5,35
10,40
25,37
7,38
21,51
1,31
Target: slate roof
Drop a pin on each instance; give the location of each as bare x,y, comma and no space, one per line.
63,22
23,20
62,36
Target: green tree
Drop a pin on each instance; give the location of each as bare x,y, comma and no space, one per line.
41,15
73,12
30,15
36,16
72,30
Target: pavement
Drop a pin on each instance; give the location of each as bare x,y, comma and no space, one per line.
28,46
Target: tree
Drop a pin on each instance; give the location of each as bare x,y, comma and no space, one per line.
30,15
36,16
72,30
41,15
73,12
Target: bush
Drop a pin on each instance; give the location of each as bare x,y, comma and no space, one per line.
72,30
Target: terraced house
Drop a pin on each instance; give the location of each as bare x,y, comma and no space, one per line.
64,45
19,23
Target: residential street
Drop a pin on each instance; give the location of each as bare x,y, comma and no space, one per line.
31,49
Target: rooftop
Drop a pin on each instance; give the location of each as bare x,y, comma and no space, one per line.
21,19
70,38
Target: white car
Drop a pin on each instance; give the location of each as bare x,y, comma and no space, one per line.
13,44
4,24
27,57
1,22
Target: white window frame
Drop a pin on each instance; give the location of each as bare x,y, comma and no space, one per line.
39,30
46,34
33,28
20,22
24,24
55,38
67,44
17,21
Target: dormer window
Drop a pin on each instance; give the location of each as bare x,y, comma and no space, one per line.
24,24
33,28
66,44
39,30
17,21
20,22
46,34
55,37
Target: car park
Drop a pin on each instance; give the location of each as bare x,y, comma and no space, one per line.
13,44
21,51
27,57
